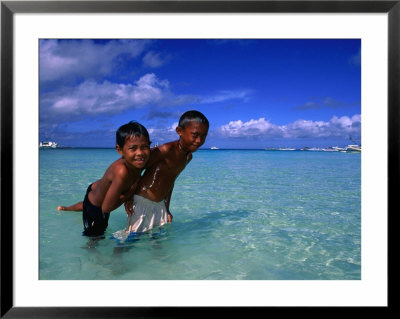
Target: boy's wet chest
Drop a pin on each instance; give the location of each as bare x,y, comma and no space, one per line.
174,165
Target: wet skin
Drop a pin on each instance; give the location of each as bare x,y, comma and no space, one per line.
168,161
116,185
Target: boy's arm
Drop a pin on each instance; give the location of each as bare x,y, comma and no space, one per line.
127,199
112,199
129,206
167,201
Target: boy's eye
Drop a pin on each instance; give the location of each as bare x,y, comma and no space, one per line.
196,135
142,147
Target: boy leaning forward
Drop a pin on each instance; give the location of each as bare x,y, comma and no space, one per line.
153,195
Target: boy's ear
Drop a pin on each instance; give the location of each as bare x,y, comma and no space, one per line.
179,130
118,149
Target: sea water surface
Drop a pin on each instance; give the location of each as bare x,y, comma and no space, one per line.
238,215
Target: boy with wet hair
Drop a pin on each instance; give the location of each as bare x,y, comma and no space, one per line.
119,181
152,198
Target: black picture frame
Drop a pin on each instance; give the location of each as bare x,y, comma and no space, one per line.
9,8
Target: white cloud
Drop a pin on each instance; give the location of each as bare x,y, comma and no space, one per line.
336,127
226,95
250,128
302,128
62,60
153,60
162,135
93,98
77,79
173,127
96,98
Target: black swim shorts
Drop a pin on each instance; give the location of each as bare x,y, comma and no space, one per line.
95,221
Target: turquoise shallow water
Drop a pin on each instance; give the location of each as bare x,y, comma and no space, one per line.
238,214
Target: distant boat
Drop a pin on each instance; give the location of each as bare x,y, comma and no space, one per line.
310,149
286,149
353,148
279,149
329,149
339,149
48,144
214,148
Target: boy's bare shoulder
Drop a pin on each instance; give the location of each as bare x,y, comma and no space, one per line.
167,147
160,153
118,169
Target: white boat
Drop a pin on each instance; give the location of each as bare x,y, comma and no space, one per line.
286,149
339,149
353,148
214,148
330,149
48,144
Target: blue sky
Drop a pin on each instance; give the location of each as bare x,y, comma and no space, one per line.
255,93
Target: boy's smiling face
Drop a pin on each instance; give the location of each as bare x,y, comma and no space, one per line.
193,135
136,151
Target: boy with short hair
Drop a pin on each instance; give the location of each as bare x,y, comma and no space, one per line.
119,181
153,195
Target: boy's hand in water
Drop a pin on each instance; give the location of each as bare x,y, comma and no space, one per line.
170,217
129,207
